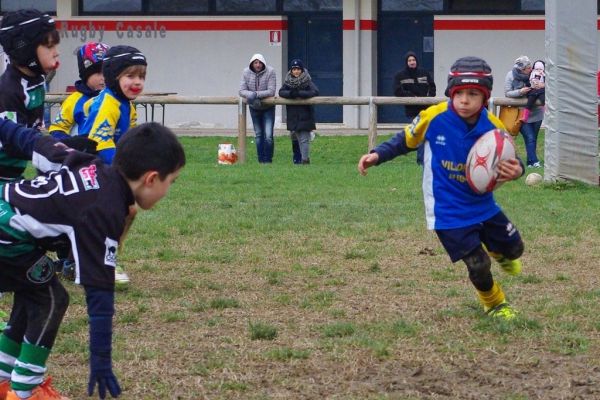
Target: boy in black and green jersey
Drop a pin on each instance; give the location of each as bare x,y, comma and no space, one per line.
80,201
30,40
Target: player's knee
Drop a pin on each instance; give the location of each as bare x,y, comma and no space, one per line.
515,251
478,263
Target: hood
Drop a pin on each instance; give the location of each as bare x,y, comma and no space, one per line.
258,57
408,54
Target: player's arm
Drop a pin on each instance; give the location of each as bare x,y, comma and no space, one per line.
64,120
384,152
101,309
17,140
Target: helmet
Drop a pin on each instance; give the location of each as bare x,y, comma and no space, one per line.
470,72
116,60
21,32
89,59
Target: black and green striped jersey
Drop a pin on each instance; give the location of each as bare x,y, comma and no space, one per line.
76,198
22,101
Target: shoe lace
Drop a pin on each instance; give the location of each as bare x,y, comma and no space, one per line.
47,389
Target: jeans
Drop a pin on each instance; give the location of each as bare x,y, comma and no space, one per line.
264,121
296,155
303,139
530,130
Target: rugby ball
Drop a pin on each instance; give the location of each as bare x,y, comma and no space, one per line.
492,147
533,179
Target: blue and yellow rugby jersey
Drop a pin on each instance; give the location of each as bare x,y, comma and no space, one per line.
108,118
71,117
449,201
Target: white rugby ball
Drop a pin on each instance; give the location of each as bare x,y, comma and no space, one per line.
492,147
533,179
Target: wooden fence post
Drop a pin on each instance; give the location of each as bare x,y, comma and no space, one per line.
372,123
241,131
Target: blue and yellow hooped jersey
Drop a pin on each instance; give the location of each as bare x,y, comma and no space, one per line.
449,201
108,118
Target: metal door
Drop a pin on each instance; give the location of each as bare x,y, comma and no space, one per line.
317,40
398,34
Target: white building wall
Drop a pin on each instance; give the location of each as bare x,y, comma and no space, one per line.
191,56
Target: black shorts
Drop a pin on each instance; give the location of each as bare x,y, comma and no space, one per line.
497,233
31,270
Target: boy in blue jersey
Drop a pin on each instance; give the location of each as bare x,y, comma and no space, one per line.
80,201
71,115
470,226
112,112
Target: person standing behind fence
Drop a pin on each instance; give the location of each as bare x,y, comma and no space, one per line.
259,81
516,84
413,81
300,118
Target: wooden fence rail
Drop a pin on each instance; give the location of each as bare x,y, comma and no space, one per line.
371,101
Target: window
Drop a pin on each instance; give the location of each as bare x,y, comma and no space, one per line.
239,6
48,6
412,5
111,6
532,5
482,7
178,6
312,5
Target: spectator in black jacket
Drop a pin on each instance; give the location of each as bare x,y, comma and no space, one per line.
300,118
413,81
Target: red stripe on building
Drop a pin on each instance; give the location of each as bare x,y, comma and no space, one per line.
368,25
489,25
365,25
174,25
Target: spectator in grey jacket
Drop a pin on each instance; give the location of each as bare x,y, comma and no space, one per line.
258,82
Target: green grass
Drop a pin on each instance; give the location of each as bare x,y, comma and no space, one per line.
284,281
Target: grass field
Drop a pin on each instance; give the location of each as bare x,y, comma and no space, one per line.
313,282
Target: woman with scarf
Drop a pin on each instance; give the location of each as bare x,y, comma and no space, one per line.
413,81
300,118
517,85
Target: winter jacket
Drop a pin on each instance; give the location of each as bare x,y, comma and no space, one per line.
300,118
263,83
413,82
513,83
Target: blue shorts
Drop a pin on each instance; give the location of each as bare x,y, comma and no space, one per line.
498,234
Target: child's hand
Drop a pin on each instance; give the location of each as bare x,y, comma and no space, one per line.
366,161
509,170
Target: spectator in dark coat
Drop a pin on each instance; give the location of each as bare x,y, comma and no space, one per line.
413,81
300,118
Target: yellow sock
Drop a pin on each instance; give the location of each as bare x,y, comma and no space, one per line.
496,256
492,297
